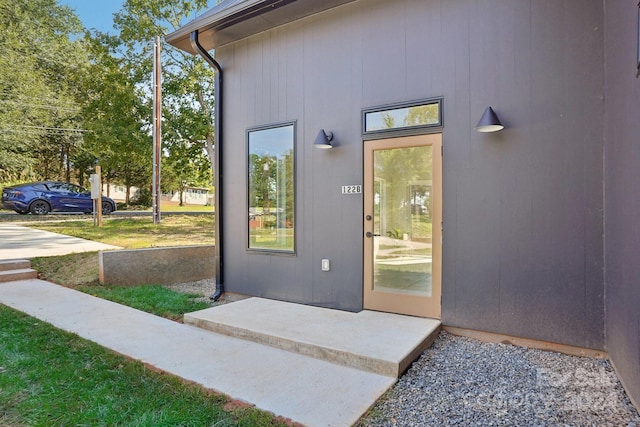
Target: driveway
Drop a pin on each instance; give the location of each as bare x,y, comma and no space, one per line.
18,242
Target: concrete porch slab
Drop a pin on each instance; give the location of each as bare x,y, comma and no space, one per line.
381,343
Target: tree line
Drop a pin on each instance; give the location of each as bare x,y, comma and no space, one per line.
72,97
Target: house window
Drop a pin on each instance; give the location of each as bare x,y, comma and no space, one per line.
271,188
408,118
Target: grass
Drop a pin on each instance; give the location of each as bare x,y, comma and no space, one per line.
186,208
71,270
153,299
80,271
163,208
134,233
49,377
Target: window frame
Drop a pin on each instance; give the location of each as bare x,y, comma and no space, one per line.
249,131
403,130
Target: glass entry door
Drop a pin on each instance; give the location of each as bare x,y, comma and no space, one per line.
402,225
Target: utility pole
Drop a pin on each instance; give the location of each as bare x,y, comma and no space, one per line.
157,129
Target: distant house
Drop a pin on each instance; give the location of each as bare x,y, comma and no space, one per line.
198,196
118,192
532,231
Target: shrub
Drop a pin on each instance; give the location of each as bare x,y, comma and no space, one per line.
144,198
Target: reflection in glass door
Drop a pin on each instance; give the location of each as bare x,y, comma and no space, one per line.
402,225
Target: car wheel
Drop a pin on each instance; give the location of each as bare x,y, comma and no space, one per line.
106,208
40,207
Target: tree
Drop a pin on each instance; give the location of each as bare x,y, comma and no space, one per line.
404,176
188,82
118,117
185,166
41,56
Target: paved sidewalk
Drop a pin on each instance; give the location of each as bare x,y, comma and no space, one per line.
18,242
306,390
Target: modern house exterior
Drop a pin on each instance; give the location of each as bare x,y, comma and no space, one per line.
532,231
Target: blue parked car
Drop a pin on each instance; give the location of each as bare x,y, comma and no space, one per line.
40,198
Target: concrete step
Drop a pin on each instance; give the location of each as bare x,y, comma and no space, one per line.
14,264
376,342
19,274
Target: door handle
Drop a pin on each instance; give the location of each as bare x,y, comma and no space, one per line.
369,234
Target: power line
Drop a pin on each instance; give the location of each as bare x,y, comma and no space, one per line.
46,107
21,97
26,128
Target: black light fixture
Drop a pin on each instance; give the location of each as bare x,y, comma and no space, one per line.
323,140
489,122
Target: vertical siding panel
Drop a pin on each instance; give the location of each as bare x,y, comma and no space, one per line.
318,70
235,59
346,119
516,199
585,199
279,81
622,194
450,57
292,62
328,106
384,53
544,168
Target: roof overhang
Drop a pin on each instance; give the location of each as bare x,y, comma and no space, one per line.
234,20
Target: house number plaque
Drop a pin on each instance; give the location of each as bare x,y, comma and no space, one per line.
351,189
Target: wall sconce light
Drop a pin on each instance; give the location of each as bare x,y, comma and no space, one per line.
323,140
489,122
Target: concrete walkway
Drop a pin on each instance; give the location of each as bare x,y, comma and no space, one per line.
304,389
18,242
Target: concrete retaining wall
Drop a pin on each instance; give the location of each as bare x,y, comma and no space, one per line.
162,266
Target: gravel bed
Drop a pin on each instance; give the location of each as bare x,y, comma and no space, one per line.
462,381
205,287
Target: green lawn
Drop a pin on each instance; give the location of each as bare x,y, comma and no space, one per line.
53,378
139,232
187,208
80,272
153,299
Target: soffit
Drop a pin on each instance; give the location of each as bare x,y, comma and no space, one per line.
234,20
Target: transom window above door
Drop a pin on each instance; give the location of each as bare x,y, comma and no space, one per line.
407,118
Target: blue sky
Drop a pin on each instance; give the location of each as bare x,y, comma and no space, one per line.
95,13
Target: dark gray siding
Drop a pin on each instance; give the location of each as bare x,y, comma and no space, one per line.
522,208
622,225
